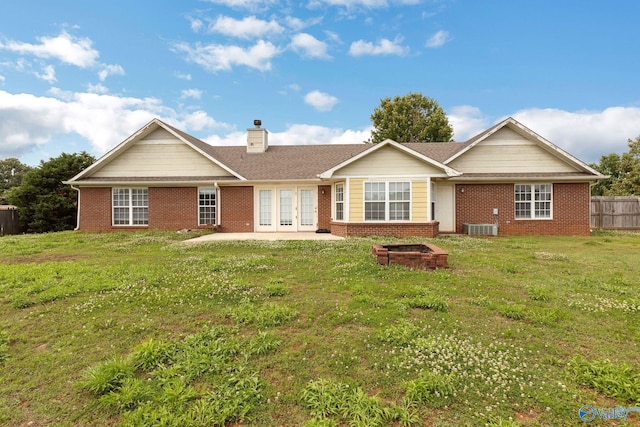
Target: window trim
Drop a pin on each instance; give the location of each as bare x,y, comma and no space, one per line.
532,202
215,207
387,201
336,201
130,207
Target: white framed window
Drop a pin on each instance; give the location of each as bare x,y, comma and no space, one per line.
339,195
130,206
206,206
533,201
387,201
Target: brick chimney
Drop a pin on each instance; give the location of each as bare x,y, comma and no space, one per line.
257,138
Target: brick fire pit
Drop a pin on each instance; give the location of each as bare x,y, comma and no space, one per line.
423,256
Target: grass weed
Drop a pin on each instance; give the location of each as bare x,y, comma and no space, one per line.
140,329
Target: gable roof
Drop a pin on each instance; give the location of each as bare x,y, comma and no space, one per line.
196,144
519,128
413,152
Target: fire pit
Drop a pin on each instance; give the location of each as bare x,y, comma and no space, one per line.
423,256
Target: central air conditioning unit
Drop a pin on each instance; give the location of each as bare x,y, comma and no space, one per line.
480,229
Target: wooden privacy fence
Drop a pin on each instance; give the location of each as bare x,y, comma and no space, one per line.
615,212
9,223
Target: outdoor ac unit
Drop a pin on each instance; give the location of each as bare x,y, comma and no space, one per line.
480,229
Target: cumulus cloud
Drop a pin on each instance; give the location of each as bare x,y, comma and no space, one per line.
253,5
309,47
320,101
246,28
297,24
438,39
216,57
64,47
30,122
466,121
48,74
110,70
383,47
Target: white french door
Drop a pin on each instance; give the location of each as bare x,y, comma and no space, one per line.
286,208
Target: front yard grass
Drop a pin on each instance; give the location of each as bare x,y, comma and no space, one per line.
143,329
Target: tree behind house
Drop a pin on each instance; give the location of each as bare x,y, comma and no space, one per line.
624,172
12,171
410,118
46,204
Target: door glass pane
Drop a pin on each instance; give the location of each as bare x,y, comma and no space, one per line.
265,207
286,207
306,207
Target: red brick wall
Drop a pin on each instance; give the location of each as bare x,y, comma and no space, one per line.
410,229
236,209
170,208
95,209
324,207
570,209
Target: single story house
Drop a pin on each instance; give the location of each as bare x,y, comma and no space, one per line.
507,178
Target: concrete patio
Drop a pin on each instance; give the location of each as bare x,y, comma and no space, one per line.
263,236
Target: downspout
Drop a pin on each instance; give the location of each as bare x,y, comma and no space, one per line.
215,185
78,218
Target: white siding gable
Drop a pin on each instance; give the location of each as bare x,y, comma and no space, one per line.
160,154
388,161
506,151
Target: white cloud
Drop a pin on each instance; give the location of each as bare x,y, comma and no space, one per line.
30,122
383,47
297,24
253,5
64,47
310,47
48,74
183,76
438,39
246,28
216,57
467,121
302,134
195,24
99,88
110,70
191,93
320,101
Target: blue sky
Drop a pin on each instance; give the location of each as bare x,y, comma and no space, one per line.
85,75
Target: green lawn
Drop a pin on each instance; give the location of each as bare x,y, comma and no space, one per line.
142,329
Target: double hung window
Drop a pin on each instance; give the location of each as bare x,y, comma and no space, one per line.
387,201
130,206
533,201
207,206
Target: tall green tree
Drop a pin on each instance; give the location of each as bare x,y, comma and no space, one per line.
46,204
410,118
12,171
624,172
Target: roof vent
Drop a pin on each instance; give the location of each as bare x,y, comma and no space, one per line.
257,123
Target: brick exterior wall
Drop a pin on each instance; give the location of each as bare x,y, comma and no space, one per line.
236,209
95,209
324,207
409,229
571,209
170,208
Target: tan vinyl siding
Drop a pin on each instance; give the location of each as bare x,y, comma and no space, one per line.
387,161
507,151
356,200
419,201
160,157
